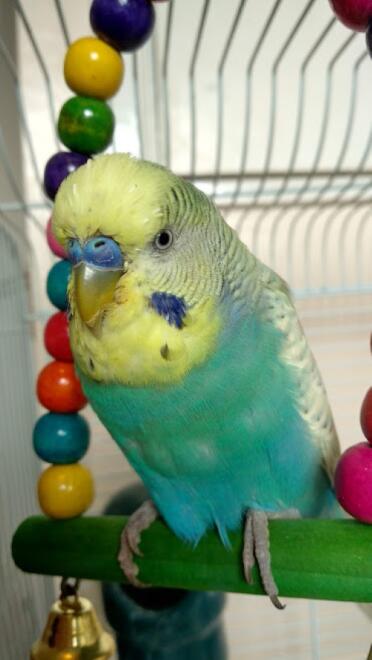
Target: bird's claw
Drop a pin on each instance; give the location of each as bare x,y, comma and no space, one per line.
276,602
131,538
248,550
125,557
257,547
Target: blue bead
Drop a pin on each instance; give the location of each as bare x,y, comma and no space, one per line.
57,282
61,439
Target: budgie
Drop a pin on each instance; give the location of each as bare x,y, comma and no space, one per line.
190,351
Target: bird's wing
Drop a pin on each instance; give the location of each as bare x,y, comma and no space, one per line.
277,307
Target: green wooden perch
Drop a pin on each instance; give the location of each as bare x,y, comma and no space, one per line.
321,559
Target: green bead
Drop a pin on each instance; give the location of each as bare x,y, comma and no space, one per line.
86,125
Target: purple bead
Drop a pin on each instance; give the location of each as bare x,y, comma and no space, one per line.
125,24
58,167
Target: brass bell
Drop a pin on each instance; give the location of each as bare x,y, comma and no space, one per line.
73,632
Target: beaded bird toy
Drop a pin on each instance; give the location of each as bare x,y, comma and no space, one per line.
94,71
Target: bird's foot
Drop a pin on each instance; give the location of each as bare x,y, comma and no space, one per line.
257,547
130,540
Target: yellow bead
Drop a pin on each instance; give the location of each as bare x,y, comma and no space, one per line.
93,68
65,491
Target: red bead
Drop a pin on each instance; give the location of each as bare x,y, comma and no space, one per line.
355,14
56,337
58,388
353,481
366,415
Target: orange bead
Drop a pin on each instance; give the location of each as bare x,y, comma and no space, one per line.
93,68
65,491
58,388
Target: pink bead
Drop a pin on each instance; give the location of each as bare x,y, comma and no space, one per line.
355,14
353,481
53,243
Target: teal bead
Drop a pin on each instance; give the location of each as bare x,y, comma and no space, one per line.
61,439
57,282
86,125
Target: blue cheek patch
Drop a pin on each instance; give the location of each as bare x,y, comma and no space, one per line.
170,307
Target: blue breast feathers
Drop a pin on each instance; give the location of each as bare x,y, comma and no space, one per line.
170,307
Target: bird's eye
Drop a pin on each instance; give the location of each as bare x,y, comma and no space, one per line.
164,239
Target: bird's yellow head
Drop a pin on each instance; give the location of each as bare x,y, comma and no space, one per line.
147,250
